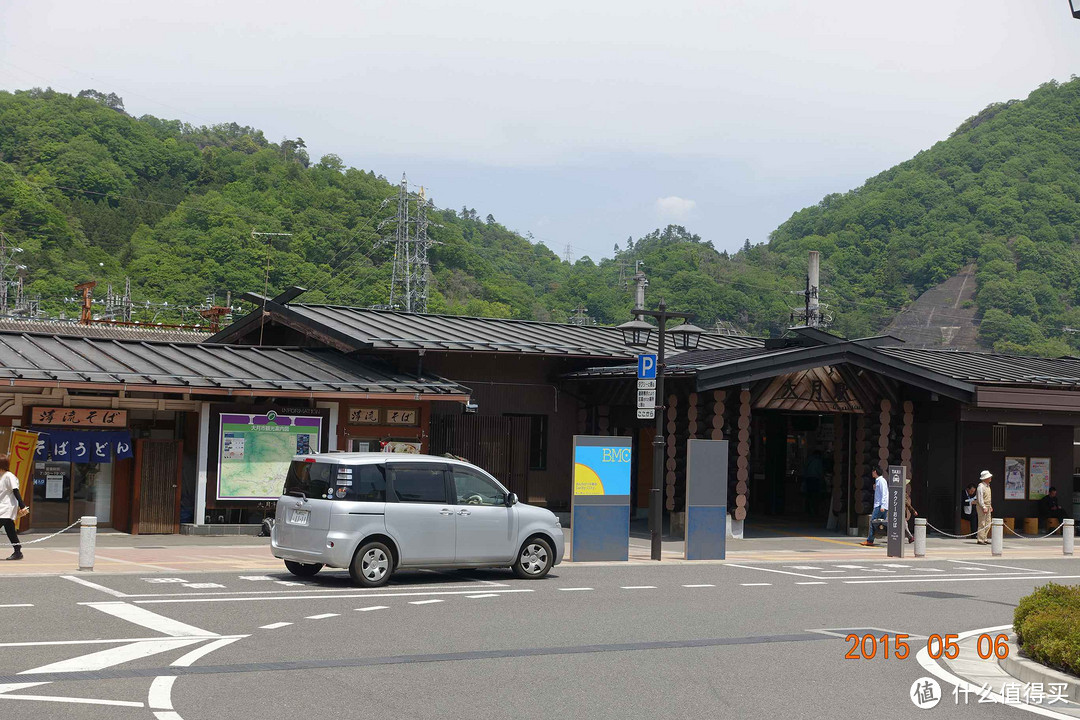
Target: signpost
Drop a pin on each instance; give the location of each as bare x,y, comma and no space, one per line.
897,476
646,387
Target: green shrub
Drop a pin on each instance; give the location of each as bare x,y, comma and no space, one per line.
1047,625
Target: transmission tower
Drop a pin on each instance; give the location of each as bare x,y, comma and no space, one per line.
8,269
411,275
568,253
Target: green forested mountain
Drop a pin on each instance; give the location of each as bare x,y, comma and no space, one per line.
92,193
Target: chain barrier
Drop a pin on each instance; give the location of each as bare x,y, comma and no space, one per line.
958,537
1034,537
47,537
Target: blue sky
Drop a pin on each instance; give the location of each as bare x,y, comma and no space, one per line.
579,121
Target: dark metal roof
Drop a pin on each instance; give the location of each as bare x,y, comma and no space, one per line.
42,359
391,330
687,363
103,330
992,369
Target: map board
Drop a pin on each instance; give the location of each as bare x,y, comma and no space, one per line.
254,451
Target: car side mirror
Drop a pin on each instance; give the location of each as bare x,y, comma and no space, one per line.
511,499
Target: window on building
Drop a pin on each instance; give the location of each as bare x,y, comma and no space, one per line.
538,440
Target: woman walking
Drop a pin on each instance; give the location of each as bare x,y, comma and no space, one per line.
11,505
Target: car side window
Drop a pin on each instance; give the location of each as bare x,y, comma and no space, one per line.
419,484
366,484
473,488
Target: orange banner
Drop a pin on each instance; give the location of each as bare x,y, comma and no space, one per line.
22,447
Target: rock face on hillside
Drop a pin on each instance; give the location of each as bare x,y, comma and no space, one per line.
942,317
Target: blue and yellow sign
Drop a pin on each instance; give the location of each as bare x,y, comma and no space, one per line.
602,470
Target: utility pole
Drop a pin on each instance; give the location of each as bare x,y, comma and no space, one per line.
7,263
812,313
410,278
86,315
640,283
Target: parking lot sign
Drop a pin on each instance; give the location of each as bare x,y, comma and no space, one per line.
646,367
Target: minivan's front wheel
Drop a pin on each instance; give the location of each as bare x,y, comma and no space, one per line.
302,569
372,565
534,560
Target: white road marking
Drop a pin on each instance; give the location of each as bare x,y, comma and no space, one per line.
203,586
87,583
160,696
148,619
922,569
424,602
813,582
965,578
373,607
19,686
17,605
163,580
288,583
307,588
781,572
485,595
114,656
701,585
973,569
852,567
192,657
999,567
577,589
110,641
312,597
79,701
895,565
802,567
637,587
274,626
832,571
256,577
321,617
755,584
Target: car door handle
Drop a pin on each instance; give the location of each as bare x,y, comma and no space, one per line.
444,511
463,512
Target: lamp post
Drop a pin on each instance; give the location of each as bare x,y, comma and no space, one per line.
637,333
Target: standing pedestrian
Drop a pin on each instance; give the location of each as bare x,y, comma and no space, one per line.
11,506
983,507
909,513
967,510
881,505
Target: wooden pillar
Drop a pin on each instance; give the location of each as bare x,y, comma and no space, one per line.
905,435
692,416
742,463
717,432
885,420
669,475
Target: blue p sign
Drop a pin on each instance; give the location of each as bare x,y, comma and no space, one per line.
646,367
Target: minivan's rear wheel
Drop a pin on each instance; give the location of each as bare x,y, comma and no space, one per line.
372,565
302,569
534,560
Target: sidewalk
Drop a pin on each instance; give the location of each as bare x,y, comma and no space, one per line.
121,553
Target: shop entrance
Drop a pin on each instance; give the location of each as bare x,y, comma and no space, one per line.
800,469
65,491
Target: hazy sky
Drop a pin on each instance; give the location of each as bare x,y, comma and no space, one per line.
581,121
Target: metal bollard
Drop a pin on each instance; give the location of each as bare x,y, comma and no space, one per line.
920,537
87,541
997,535
1068,535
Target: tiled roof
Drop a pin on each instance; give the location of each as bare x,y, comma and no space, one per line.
29,358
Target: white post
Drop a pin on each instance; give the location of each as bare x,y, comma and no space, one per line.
1068,535
87,541
920,537
997,534
202,458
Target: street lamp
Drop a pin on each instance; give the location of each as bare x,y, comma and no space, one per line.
636,333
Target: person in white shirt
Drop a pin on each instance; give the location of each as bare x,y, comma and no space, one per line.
881,504
11,505
984,507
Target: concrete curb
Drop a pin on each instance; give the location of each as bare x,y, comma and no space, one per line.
1028,671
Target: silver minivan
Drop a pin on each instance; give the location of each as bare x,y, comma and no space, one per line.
376,512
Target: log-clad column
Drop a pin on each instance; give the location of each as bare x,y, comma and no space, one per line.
905,435
884,428
692,413
742,463
717,432
860,465
669,475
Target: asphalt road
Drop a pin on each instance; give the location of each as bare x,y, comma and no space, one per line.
750,640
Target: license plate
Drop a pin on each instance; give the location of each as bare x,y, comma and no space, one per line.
298,517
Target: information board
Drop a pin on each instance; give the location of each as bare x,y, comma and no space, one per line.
254,452
600,507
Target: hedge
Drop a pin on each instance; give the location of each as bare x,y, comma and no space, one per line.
1047,625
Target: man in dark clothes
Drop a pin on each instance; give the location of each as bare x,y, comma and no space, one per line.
1049,509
